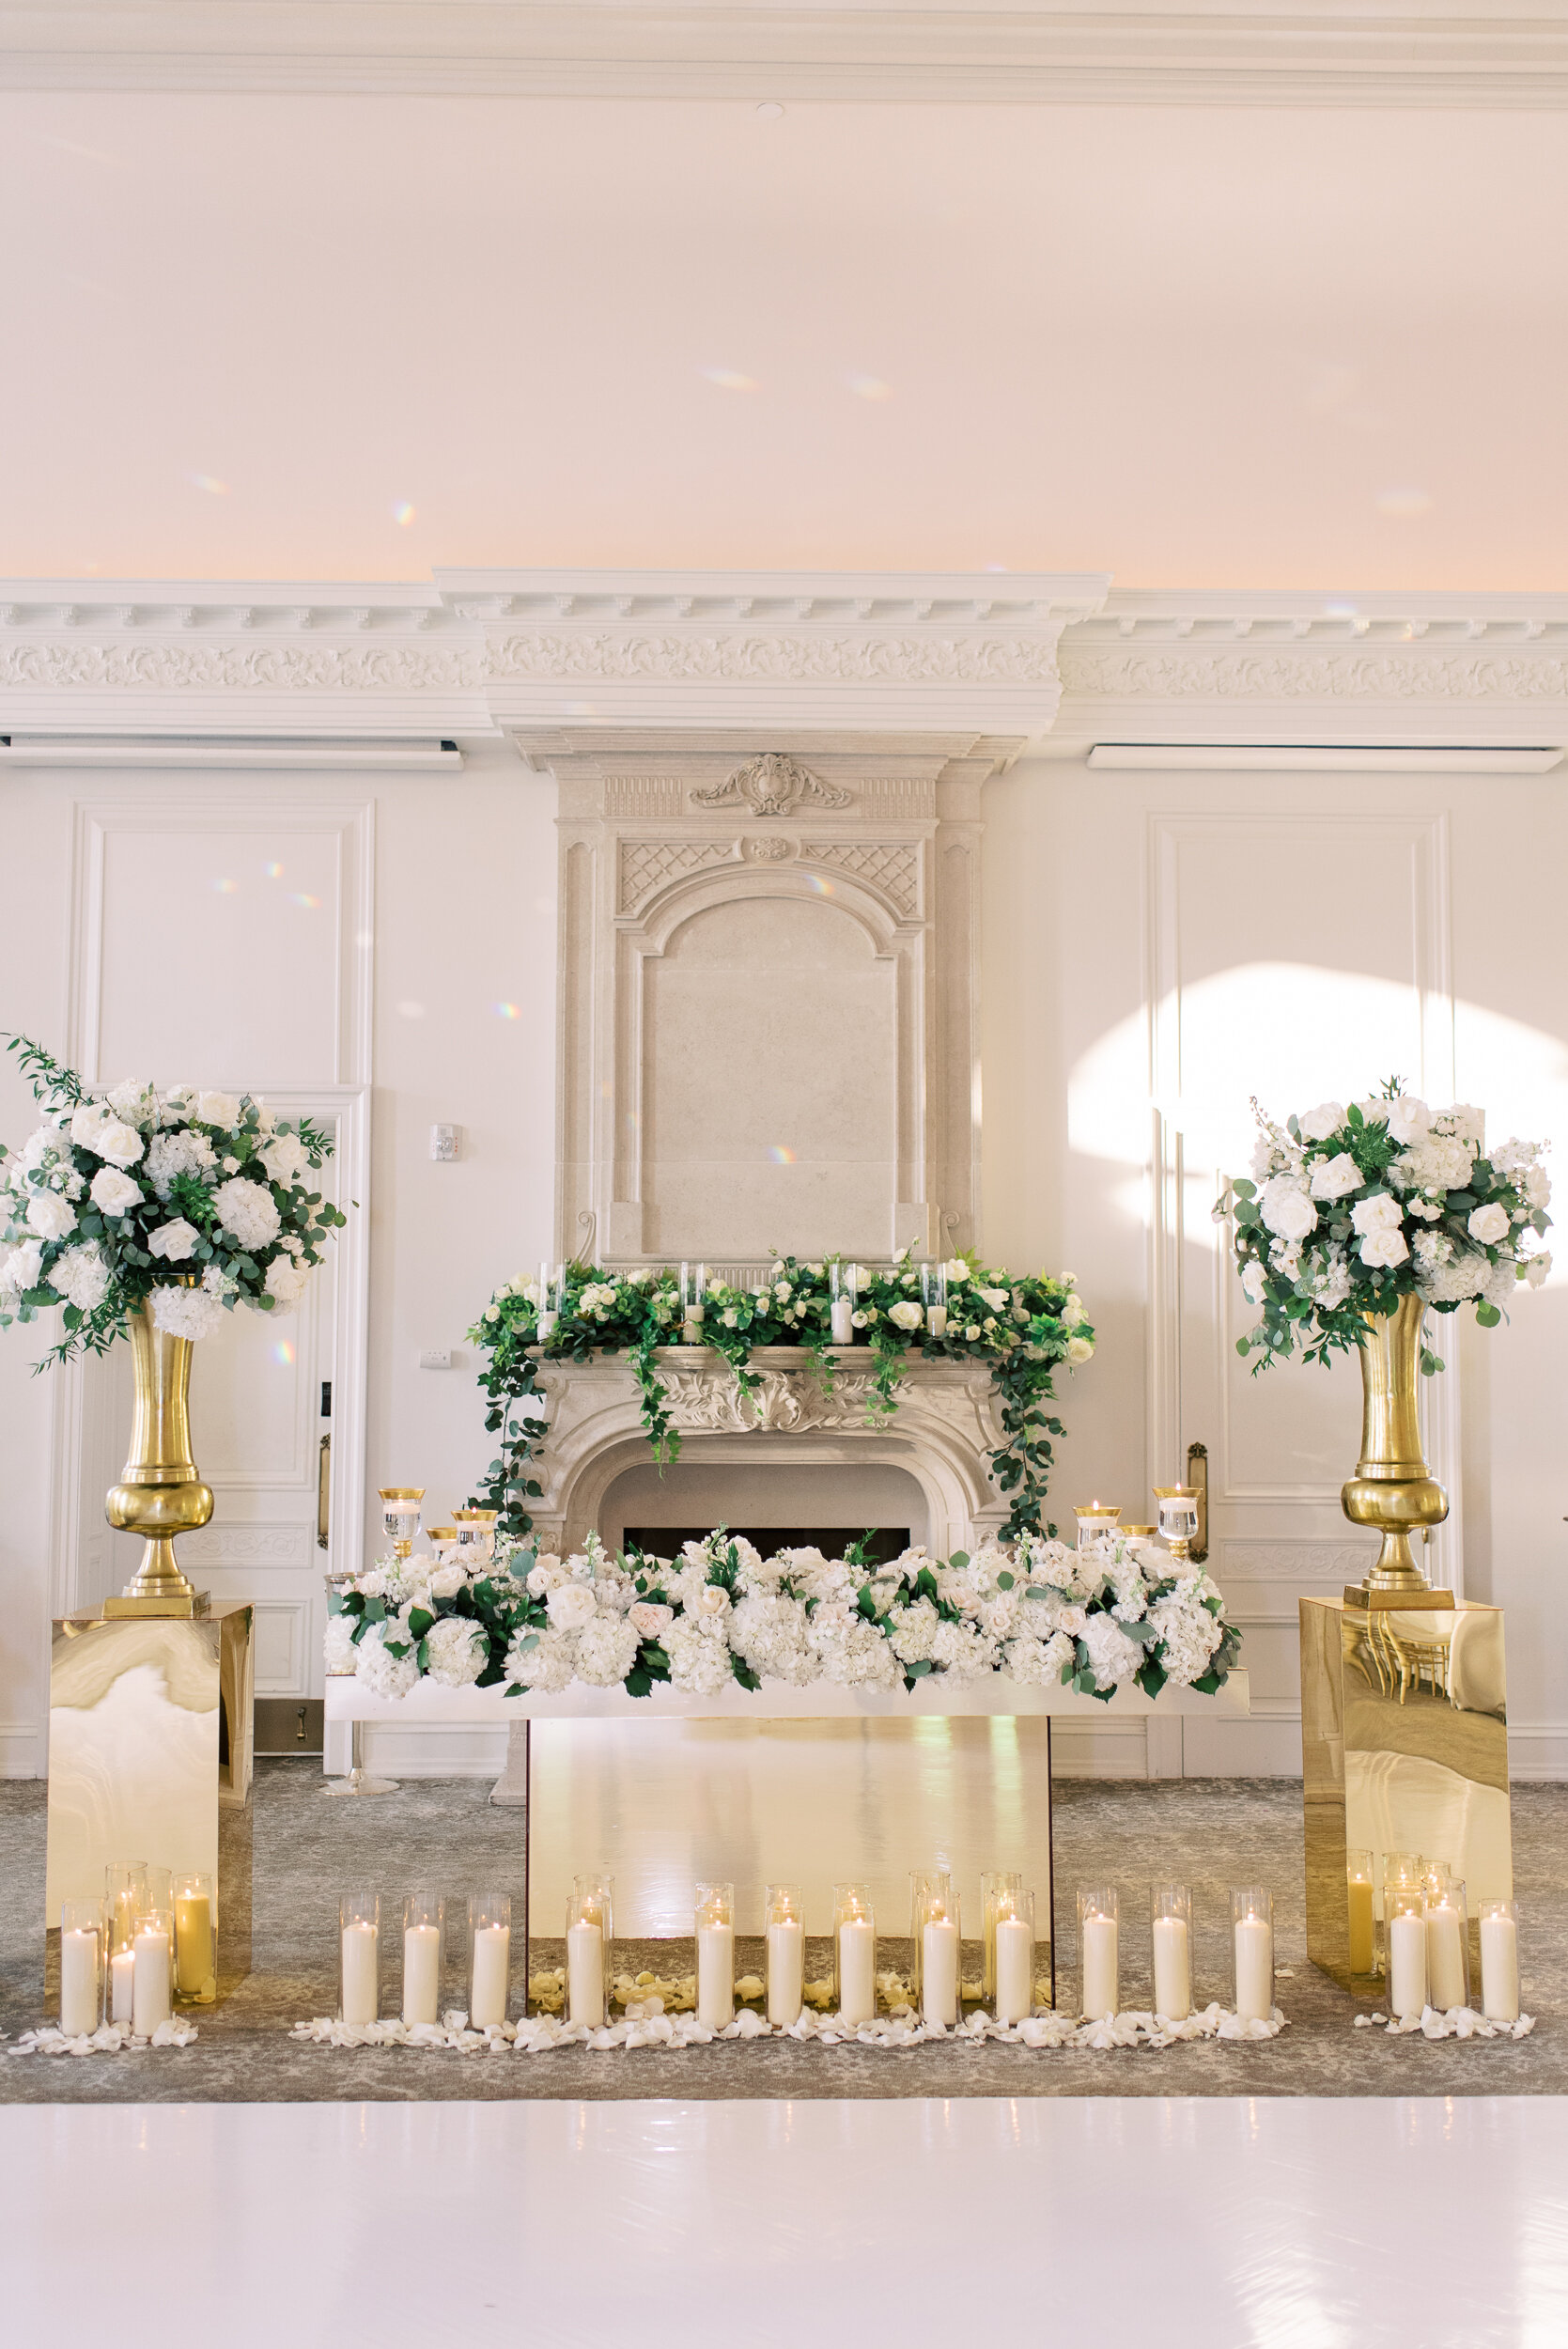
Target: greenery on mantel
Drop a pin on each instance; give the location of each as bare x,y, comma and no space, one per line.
1022,1326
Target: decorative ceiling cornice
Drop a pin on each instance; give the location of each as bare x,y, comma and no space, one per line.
1229,53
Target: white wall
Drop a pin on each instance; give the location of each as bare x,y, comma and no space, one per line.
463,922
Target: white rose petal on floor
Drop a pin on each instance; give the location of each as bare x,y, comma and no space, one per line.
110,2039
1458,2022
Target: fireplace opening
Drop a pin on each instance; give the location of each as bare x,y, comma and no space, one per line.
878,1544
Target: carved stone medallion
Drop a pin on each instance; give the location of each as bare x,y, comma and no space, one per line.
771,784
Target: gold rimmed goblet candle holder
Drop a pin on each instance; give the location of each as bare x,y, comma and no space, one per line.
475,1534
1096,1521
1178,1518
489,1958
195,1941
82,1967
854,1953
1012,1953
423,1955
589,1931
400,1515
715,1931
784,1954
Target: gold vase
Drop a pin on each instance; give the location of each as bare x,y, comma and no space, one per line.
160,1494
1392,1488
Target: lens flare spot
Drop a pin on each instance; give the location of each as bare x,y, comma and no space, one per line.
1404,505
507,1011
273,872
226,888
823,887
210,482
781,1153
403,513
302,897
729,379
869,387
284,1352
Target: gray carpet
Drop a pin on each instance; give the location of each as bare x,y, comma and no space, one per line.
1208,1832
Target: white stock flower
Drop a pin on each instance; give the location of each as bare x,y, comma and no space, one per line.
1489,1224
81,1274
1538,1268
1511,1158
217,1109
182,1153
173,1241
1409,1119
1336,1177
1469,1121
115,1191
1080,1349
286,1281
571,1606
1285,1208
1317,1125
50,1216
906,1315
247,1212
182,1312
455,1652
284,1156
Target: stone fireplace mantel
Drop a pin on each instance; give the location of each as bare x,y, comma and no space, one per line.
940,1436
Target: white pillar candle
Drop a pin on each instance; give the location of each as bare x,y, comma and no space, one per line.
1254,1968
421,1973
1172,1969
1014,1967
939,1988
787,1971
122,1977
492,1960
716,1975
586,1972
844,1321
1499,1969
936,1320
78,1984
857,1969
1445,1959
1408,1964
149,2004
547,1322
1101,1990
360,1999
193,1942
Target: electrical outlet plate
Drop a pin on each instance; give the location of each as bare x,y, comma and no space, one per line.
435,1357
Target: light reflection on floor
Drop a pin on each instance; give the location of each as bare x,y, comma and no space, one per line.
1287,2223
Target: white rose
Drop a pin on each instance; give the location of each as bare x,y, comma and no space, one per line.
1409,1120
1286,1209
173,1241
1254,1280
1336,1177
96,1127
971,1334
1380,1214
957,1271
1383,1245
648,1619
710,1602
1537,1187
22,1269
906,1315
1317,1125
50,1216
1374,1113
998,1300
136,1101
286,1281
115,1193
1489,1224
572,1605
284,1157
1079,1349
1072,1312
217,1109
1538,1268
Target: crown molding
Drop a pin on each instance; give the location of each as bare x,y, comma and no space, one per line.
581,656
1090,54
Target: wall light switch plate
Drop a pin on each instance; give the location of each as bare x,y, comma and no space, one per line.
443,1144
435,1357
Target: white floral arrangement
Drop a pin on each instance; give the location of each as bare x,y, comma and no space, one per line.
1350,1210
1039,1613
196,1199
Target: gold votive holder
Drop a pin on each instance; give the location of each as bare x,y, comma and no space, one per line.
195,1941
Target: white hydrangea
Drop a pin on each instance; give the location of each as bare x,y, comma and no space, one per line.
548,1665
82,1275
286,1281
247,1212
1438,1162
854,1653
1112,1656
339,1652
1188,1632
182,1312
182,1153
1040,1663
913,1637
963,1650
455,1652
606,1651
699,1660
384,1676
768,1632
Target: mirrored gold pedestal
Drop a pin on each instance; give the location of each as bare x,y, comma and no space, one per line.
150,1730
1404,1747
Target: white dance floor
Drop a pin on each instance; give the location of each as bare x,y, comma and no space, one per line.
1102,2222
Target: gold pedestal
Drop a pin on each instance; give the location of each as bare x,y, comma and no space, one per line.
160,1494
1404,1747
150,1728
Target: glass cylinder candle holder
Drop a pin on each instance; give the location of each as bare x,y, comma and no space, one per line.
552,1304
1499,1961
400,1510
1434,1875
195,1941
1178,1517
784,1954
82,1940
933,1291
1096,1521
1397,1871
715,1931
1405,1925
359,1963
153,1971
923,1882
992,1884
693,1303
1447,1946
489,1958
1099,1954
1013,1954
1359,1892
475,1534
126,1897
939,1938
854,1952
841,1302
588,1938
424,1955
1253,1948
1170,1926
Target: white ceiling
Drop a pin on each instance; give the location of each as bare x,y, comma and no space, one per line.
1236,347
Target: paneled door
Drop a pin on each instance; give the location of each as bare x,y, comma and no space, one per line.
1304,993
271,1404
